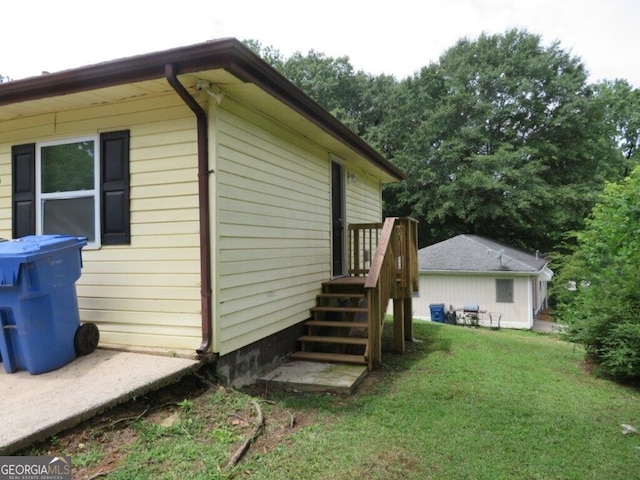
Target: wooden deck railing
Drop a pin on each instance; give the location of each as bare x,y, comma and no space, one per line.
363,241
386,253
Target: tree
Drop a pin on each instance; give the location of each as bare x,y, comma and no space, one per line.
502,137
355,98
269,54
602,305
622,107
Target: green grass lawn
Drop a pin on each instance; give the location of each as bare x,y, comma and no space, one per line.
468,404
460,404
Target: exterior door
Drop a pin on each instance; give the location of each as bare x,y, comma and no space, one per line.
337,219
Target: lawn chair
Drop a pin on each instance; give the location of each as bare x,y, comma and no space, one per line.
494,320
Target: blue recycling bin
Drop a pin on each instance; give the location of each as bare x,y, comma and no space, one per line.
437,312
40,326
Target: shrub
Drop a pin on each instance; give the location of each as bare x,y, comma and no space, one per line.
603,313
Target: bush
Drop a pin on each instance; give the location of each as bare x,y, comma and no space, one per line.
620,351
603,312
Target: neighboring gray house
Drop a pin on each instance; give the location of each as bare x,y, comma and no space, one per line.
470,269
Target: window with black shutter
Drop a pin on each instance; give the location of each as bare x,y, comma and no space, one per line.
23,174
114,157
76,186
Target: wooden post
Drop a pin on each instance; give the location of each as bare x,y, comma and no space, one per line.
374,328
408,319
376,320
354,250
398,325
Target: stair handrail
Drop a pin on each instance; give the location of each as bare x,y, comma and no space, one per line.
364,239
391,271
380,284
382,252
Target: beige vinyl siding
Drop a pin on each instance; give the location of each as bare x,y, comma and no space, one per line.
363,197
271,217
458,290
147,293
272,227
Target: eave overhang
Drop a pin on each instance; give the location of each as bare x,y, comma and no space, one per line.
224,54
545,271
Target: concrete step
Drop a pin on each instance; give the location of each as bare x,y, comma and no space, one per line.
317,376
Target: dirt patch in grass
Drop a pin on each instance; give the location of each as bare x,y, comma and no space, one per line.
103,444
207,413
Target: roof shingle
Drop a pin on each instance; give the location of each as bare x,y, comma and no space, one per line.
473,253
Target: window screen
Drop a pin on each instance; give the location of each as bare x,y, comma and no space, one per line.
504,290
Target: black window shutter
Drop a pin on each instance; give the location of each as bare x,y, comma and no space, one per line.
23,194
114,160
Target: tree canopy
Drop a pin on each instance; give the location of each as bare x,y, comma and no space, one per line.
355,98
502,136
506,140
621,104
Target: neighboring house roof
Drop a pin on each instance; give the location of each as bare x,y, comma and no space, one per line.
473,253
67,89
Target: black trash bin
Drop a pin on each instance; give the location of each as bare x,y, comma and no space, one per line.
451,317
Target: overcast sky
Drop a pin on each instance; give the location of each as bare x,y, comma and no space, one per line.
397,37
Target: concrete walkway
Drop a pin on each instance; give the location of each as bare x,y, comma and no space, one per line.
35,407
544,326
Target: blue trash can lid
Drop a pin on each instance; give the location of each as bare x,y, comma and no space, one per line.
14,253
33,244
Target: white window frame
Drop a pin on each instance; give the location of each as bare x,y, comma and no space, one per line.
95,193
